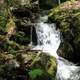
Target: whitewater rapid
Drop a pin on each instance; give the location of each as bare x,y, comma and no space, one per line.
48,39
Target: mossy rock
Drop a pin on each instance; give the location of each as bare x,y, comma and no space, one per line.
67,18
39,65
28,65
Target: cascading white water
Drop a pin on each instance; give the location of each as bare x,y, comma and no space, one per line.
48,41
46,36
67,70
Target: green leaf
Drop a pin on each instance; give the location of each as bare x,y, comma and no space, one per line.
35,73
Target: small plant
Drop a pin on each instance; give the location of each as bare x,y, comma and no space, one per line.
35,73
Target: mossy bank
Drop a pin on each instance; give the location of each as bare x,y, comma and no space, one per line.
67,18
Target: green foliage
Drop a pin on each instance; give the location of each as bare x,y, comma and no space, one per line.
3,21
47,64
10,3
10,46
21,38
68,21
53,67
63,19
26,71
31,66
35,73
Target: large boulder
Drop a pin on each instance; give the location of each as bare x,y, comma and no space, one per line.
67,18
27,65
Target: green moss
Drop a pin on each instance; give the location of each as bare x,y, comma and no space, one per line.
47,64
68,21
3,21
35,73
21,38
10,47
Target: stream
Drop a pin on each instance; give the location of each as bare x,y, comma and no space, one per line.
48,39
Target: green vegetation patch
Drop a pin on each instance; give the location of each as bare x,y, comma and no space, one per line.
67,18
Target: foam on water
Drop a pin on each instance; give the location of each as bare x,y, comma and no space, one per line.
48,41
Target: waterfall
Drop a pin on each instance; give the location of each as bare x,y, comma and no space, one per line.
48,41
67,70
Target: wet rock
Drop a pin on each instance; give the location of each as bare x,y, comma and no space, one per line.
67,19
38,62
12,64
22,12
28,64
47,4
1,3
